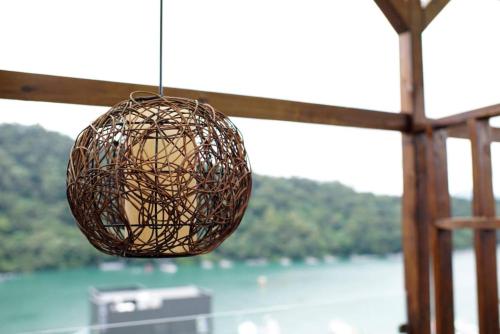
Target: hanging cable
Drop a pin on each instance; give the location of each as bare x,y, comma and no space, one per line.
160,85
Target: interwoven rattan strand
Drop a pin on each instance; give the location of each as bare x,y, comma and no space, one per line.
158,177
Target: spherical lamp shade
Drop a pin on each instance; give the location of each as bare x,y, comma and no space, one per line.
158,177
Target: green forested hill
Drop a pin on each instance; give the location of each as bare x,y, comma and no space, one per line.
286,217
36,227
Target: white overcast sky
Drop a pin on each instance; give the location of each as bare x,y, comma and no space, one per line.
340,52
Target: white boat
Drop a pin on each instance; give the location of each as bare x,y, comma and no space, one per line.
225,264
285,261
6,276
311,261
361,257
259,262
112,266
207,264
329,258
168,267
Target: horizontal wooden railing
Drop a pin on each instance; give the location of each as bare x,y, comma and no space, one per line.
462,118
475,223
48,88
461,131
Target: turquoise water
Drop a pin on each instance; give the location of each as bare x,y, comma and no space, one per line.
366,293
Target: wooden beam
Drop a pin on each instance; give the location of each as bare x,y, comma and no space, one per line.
412,93
461,131
396,12
38,87
415,218
476,223
440,240
485,241
462,118
432,10
411,68
415,213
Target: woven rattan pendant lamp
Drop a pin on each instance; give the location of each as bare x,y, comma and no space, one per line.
158,176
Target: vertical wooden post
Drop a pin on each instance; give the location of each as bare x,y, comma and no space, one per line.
441,240
411,81
415,216
424,176
415,220
484,240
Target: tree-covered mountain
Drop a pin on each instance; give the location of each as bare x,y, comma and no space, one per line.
286,217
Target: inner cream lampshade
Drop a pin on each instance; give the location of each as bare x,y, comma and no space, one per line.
158,177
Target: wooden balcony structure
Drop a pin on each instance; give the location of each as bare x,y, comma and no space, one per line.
426,224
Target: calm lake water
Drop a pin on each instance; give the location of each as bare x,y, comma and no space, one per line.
366,293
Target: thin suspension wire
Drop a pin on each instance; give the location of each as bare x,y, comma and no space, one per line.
160,86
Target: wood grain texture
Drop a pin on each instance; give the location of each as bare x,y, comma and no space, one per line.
415,235
462,118
476,223
38,87
411,68
441,240
396,12
484,240
432,10
462,131
415,211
